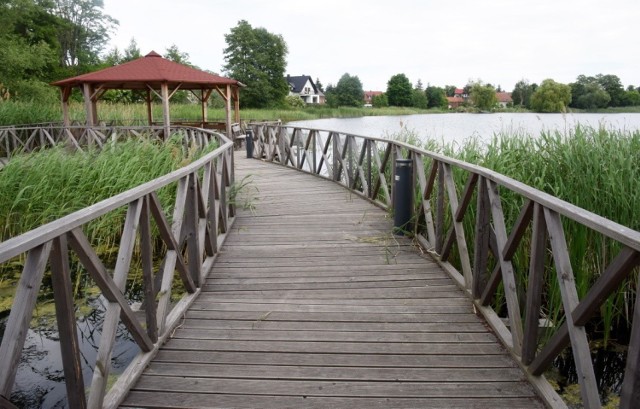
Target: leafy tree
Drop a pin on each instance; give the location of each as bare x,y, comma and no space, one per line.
380,101
419,85
348,91
85,31
522,91
132,52
613,86
483,96
436,97
399,91
419,99
450,90
631,98
587,93
257,58
319,85
172,53
551,96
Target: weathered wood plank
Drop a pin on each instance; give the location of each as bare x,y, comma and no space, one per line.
205,400
310,290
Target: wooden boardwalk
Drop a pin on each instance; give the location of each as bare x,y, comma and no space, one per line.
313,303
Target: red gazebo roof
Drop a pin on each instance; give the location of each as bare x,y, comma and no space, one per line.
151,69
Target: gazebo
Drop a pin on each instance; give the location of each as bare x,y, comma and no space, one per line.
157,76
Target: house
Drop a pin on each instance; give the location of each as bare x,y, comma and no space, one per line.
304,87
368,97
459,93
504,98
455,102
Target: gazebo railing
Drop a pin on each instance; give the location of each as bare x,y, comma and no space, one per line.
443,191
25,139
186,247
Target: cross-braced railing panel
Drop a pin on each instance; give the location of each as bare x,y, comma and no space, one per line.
510,260
17,140
186,243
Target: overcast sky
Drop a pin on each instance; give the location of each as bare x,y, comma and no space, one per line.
440,42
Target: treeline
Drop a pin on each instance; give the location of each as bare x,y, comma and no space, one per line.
45,40
42,41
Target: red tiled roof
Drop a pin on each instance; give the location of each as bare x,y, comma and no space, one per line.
459,91
504,97
150,69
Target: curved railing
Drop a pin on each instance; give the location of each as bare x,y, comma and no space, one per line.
187,245
365,165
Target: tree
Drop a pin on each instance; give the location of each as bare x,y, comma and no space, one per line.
551,96
319,85
380,101
132,52
419,99
399,91
450,90
613,86
631,98
483,96
172,53
85,31
522,91
436,97
348,91
257,58
587,93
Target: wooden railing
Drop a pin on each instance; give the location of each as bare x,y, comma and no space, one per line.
23,139
188,244
365,165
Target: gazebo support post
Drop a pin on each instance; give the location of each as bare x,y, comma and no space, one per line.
64,92
164,90
204,100
89,108
149,111
236,100
228,111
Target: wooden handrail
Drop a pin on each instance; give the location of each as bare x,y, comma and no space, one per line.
201,209
365,165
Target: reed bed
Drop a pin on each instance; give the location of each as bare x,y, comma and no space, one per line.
20,113
46,185
597,169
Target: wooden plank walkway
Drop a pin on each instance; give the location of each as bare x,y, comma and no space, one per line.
313,303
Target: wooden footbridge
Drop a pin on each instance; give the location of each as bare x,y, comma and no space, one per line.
281,289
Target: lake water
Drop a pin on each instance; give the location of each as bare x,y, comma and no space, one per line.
457,127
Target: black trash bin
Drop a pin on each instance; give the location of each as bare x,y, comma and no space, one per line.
403,197
249,143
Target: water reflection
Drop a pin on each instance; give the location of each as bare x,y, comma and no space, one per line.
40,378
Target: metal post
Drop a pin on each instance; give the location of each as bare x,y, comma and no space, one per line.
249,143
403,197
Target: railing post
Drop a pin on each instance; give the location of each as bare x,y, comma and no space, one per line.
403,196
630,395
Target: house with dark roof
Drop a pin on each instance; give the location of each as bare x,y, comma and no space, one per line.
304,87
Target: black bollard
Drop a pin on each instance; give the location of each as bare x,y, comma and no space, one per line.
249,143
403,197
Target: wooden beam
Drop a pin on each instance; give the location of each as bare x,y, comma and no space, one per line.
149,110
236,101
164,90
21,312
569,293
88,105
630,395
66,320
